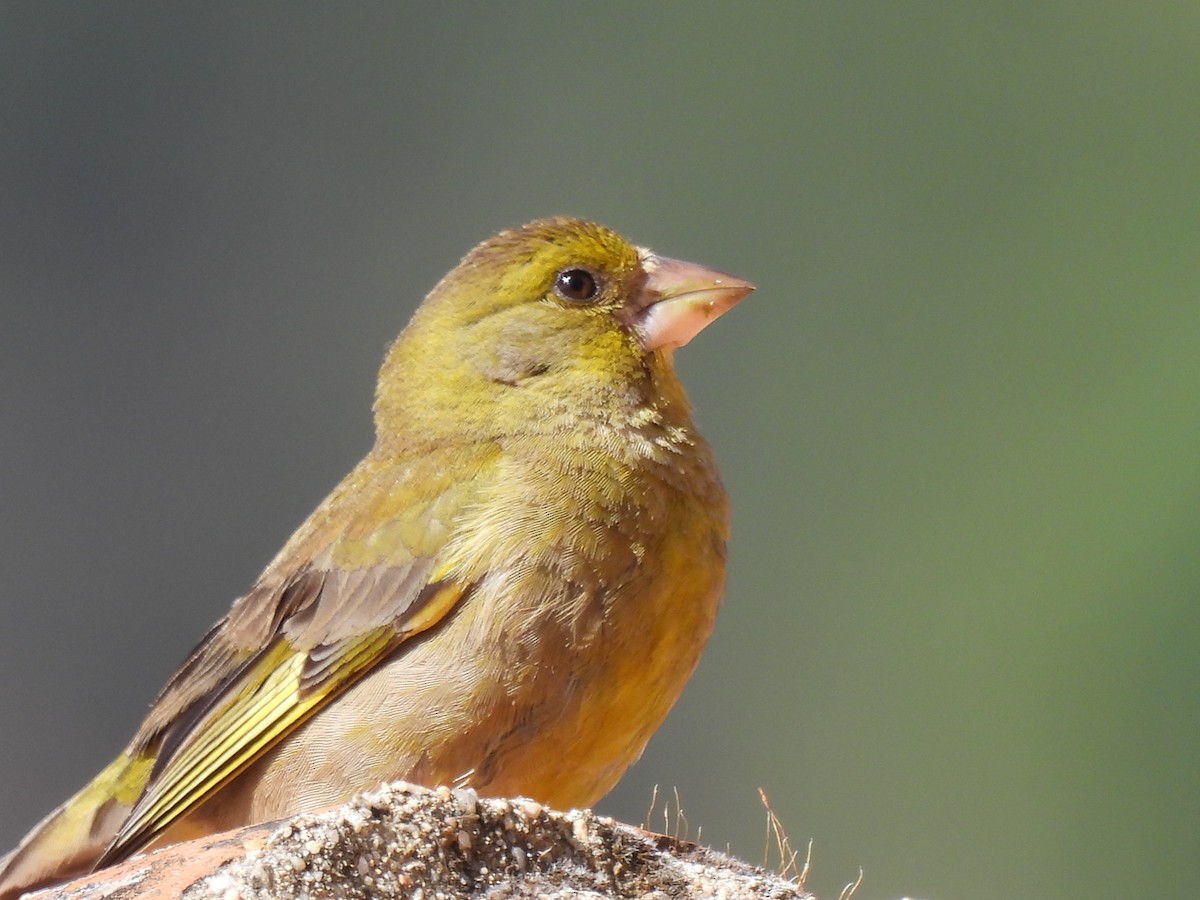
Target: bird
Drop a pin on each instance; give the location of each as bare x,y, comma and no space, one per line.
508,593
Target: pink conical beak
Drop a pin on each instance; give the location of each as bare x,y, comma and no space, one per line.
680,298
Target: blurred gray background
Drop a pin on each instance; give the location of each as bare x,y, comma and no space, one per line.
958,419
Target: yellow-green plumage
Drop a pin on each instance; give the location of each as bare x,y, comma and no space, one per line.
509,592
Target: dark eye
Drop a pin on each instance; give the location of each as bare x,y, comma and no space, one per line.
577,285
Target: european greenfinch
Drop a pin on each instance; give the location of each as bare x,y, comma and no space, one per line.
508,593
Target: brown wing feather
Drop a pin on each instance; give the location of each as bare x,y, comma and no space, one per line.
331,636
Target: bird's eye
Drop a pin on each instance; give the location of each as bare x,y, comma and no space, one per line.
576,285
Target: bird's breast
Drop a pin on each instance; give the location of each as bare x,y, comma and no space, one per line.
594,580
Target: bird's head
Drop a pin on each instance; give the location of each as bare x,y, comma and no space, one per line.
558,312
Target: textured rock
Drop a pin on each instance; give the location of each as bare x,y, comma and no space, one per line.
413,842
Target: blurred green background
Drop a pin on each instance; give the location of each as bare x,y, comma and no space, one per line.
959,420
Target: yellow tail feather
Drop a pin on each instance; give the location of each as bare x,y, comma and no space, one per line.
68,842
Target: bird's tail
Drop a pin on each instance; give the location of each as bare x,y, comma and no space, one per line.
68,842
